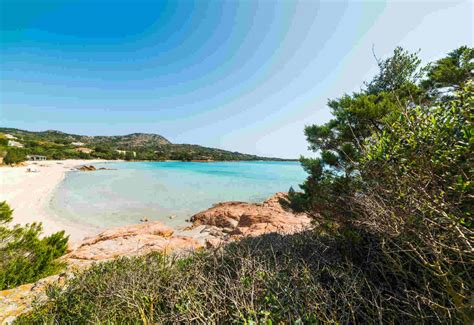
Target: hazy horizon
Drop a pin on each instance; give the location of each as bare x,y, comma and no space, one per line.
242,76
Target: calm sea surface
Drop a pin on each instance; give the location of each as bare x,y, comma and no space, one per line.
158,190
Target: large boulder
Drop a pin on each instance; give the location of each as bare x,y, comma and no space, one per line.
150,228
129,240
87,168
252,219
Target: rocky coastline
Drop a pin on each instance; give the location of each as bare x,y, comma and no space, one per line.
218,225
222,223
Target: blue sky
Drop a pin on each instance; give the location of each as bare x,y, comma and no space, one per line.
240,75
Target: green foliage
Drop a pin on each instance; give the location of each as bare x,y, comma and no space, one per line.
418,180
129,156
24,256
396,72
334,176
3,141
306,278
395,162
5,213
453,71
428,147
58,145
102,149
14,156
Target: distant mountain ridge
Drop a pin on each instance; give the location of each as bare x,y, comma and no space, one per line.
126,141
141,146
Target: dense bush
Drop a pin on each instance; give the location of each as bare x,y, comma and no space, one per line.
24,256
396,162
14,156
419,193
3,141
303,278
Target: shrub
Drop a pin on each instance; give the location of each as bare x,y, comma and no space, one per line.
24,256
308,278
129,156
396,164
3,141
14,156
419,194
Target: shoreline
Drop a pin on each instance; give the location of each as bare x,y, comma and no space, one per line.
29,193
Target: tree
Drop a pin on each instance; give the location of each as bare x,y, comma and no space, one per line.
423,160
452,71
3,141
129,156
333,177
396,72
418,194
58,155
24,256
102,149
394,173
14,156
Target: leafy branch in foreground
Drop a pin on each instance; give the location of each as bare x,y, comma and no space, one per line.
24,256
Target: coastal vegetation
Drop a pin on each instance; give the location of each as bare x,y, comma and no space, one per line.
305,278
137,146
24,256
391,196
14,156
396,164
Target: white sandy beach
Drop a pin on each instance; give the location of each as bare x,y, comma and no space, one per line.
28,193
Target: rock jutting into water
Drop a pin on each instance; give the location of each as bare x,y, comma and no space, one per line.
129,240
87,168
233,220
91,168
223,222
213,227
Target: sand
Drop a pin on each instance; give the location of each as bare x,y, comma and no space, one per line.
29,194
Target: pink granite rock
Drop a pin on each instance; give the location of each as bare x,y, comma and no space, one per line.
128,241
250,219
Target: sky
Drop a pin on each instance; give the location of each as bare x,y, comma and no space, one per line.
238,75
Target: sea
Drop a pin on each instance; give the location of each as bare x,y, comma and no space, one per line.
171,192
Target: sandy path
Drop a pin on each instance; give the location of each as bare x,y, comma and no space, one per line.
29,194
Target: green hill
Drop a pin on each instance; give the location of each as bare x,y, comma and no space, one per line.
139,146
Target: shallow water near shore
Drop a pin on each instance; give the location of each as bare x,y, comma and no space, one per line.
167,191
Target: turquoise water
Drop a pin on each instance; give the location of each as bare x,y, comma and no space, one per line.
158,190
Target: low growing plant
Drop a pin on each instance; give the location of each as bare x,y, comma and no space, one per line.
24,256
